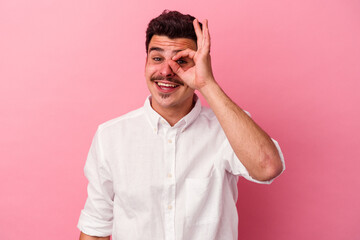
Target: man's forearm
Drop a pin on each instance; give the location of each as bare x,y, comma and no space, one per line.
250,143
84,236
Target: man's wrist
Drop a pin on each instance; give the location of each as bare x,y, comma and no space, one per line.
209,88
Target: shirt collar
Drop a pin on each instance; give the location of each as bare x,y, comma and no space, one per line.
154,118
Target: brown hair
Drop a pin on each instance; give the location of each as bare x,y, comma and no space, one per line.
171,24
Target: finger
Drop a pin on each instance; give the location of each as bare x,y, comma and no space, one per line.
176,68
185,53
206,35
198,32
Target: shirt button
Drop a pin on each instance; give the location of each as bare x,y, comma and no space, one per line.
169,141
169,175
170,207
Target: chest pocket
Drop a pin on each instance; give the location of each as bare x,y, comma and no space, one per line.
203,200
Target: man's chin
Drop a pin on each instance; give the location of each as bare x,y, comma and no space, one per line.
164,101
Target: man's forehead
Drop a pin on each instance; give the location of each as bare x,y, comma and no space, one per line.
163,43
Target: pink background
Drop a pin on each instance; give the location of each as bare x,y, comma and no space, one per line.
67,66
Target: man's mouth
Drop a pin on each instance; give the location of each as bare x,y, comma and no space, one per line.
166,80
166,87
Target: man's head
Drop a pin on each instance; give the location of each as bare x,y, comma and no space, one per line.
166,35
171,24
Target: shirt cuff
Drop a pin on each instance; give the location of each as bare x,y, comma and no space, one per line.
93,226
248,177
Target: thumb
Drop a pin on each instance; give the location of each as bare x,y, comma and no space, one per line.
175,67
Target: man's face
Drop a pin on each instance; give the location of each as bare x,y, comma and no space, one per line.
166,88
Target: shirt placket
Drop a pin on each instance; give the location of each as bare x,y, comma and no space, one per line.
170,183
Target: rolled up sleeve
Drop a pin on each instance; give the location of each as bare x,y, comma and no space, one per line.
235,166
96,219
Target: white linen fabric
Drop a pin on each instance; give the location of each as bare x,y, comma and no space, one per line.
148,180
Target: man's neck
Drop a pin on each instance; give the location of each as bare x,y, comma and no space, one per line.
173,114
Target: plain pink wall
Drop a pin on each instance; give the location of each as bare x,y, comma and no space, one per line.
67,66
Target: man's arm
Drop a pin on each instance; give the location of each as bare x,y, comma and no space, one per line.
250,143
83,236
96,217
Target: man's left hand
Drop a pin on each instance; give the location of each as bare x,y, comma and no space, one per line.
200,74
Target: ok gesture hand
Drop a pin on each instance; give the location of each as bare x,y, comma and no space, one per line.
200,74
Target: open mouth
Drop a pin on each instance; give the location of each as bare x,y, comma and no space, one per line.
166,87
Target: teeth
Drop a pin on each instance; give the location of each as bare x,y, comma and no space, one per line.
166,84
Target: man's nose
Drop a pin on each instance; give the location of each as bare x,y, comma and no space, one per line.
166,70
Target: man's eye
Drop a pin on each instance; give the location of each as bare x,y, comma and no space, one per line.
180,61
157,59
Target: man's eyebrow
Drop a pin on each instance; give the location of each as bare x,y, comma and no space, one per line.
156,49
162,50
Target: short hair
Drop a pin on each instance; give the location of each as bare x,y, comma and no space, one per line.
171,24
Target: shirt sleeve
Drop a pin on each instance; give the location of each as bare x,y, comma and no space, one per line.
96,219
234,165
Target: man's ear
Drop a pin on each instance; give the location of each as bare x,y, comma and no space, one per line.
146,57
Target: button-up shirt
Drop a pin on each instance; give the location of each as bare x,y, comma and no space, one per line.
149,180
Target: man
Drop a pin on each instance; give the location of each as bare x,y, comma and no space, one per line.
169,170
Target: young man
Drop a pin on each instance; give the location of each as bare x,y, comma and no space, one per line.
169,170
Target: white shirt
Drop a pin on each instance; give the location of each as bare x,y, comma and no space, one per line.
148,180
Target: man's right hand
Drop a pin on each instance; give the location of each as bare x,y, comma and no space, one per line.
84,236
